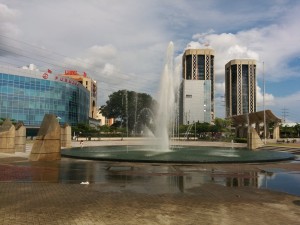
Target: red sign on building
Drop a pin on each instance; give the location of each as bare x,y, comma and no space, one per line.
71,72
45,75
67,80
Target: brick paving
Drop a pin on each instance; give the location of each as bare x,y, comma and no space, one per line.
48,203
124,193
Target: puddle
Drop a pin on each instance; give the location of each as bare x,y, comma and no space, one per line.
148,178
288,182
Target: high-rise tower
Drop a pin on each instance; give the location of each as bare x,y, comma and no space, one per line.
240,87
197,87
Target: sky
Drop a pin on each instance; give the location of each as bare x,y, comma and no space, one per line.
122,44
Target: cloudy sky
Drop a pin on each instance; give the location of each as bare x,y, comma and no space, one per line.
122,43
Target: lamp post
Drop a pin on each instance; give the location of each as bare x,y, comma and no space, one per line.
264,92
195,130
126,102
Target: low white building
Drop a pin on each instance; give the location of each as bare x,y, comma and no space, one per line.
195,101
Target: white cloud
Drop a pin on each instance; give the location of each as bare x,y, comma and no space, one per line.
289,104
7,14
106,52
274,44
194,44
108,69
242,52
122,43
8,29
94,59
102,63
99,62
113,74
260,98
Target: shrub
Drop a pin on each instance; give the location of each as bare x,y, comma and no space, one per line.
240,140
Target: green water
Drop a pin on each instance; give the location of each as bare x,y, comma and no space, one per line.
178,154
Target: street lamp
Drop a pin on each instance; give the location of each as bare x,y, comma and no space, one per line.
264,92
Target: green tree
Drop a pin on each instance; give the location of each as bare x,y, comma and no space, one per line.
84,130
128,106
223,125
203,127
286,131
297,129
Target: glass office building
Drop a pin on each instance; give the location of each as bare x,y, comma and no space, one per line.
240,87
27,95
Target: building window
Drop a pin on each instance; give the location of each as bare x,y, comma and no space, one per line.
201,67
234,89
188,67
188,96
245,88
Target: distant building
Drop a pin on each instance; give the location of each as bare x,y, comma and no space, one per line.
105,121
240,87
196,101
27,95
90,85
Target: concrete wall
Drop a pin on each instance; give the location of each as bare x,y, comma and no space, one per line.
65,134
7,137
47,144
254,140
20,138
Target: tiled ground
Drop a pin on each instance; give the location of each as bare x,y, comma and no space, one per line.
125,193
53,203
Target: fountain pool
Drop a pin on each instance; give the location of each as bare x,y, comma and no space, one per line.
178,154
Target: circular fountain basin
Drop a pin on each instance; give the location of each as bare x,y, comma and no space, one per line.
178,154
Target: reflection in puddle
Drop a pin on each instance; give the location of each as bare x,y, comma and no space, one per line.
288,182
241,179
150,178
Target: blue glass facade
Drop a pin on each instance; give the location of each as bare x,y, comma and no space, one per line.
29,97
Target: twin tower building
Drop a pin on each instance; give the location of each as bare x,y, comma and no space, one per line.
197,88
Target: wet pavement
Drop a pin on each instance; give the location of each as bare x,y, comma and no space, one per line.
73,191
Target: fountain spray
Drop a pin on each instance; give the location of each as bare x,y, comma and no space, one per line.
166,101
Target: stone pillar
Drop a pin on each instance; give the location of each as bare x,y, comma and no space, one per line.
20,140
46,146
7,137
276,131
65,132
254,140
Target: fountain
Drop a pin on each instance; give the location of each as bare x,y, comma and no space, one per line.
166,102
160,150
148,113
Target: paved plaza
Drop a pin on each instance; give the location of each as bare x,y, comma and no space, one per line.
74,191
